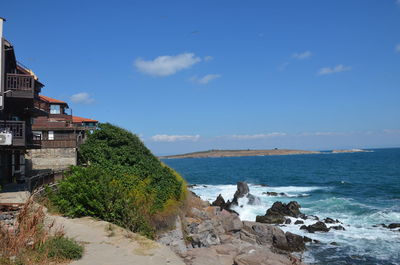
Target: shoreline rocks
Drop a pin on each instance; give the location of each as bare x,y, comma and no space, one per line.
276,214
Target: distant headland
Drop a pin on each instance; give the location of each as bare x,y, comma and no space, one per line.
237,153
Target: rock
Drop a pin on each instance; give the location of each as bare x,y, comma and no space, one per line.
393,225
210,256
303,227
316,241
205,235
288,221
307,239
329,221
260,256
295,242
270,219
274,194
334,244
337,227
317,227
174,238
242,190
230,221
264,234
219,202
299,222
276,214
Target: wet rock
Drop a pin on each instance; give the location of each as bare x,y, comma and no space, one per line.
317,227
316,241
337,227
270,219
242,190
393,225
274,194
295,242
329,220
276,214
288,221
334,244
220,201
307,239
299,222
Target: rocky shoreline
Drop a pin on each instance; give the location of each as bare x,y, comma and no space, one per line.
214,234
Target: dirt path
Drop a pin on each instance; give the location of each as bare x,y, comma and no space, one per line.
107,244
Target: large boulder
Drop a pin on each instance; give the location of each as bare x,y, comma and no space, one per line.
264,234
242,190
317,227
295,242
276,214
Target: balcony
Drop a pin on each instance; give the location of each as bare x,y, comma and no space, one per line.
20,86
18,131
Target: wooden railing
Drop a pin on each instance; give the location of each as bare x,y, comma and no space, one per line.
20,85
17,129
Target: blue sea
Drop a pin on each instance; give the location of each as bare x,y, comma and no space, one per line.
362,190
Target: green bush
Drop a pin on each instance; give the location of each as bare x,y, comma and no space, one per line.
122,182
61,248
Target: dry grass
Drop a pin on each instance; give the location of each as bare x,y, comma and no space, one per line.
192,201
19,242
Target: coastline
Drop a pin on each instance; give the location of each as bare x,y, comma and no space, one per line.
240,153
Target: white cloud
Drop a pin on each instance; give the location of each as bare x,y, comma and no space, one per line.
331,70
174,138
167,65
303,55
208,58
82,97
205,79
283,66
397,49
255,136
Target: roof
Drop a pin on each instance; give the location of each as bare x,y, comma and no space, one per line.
52,100
76,119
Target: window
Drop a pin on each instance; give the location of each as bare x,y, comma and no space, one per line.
37,135
55,109
51,135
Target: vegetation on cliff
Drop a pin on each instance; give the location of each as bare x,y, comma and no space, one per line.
120,181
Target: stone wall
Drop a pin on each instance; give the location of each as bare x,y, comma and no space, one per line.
50,158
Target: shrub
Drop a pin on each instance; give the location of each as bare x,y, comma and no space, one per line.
61,248
123,183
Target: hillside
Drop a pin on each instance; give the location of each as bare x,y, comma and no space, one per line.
237,153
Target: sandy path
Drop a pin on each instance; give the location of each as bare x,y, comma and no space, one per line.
111,245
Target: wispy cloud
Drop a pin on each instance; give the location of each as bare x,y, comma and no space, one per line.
283,66
82,98
331,70
302,55
166,65
255,136
208,58
205,79
174,138
397,48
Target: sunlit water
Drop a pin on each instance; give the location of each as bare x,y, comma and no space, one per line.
359,189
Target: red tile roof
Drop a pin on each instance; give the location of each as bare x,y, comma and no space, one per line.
51,100
76,119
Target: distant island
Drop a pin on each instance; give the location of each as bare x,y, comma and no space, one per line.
237,153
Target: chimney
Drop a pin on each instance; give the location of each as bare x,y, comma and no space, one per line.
2,75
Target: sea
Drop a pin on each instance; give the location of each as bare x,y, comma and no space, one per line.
361,190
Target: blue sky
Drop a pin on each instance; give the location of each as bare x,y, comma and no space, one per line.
196,75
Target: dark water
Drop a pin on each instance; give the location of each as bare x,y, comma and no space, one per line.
360,189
